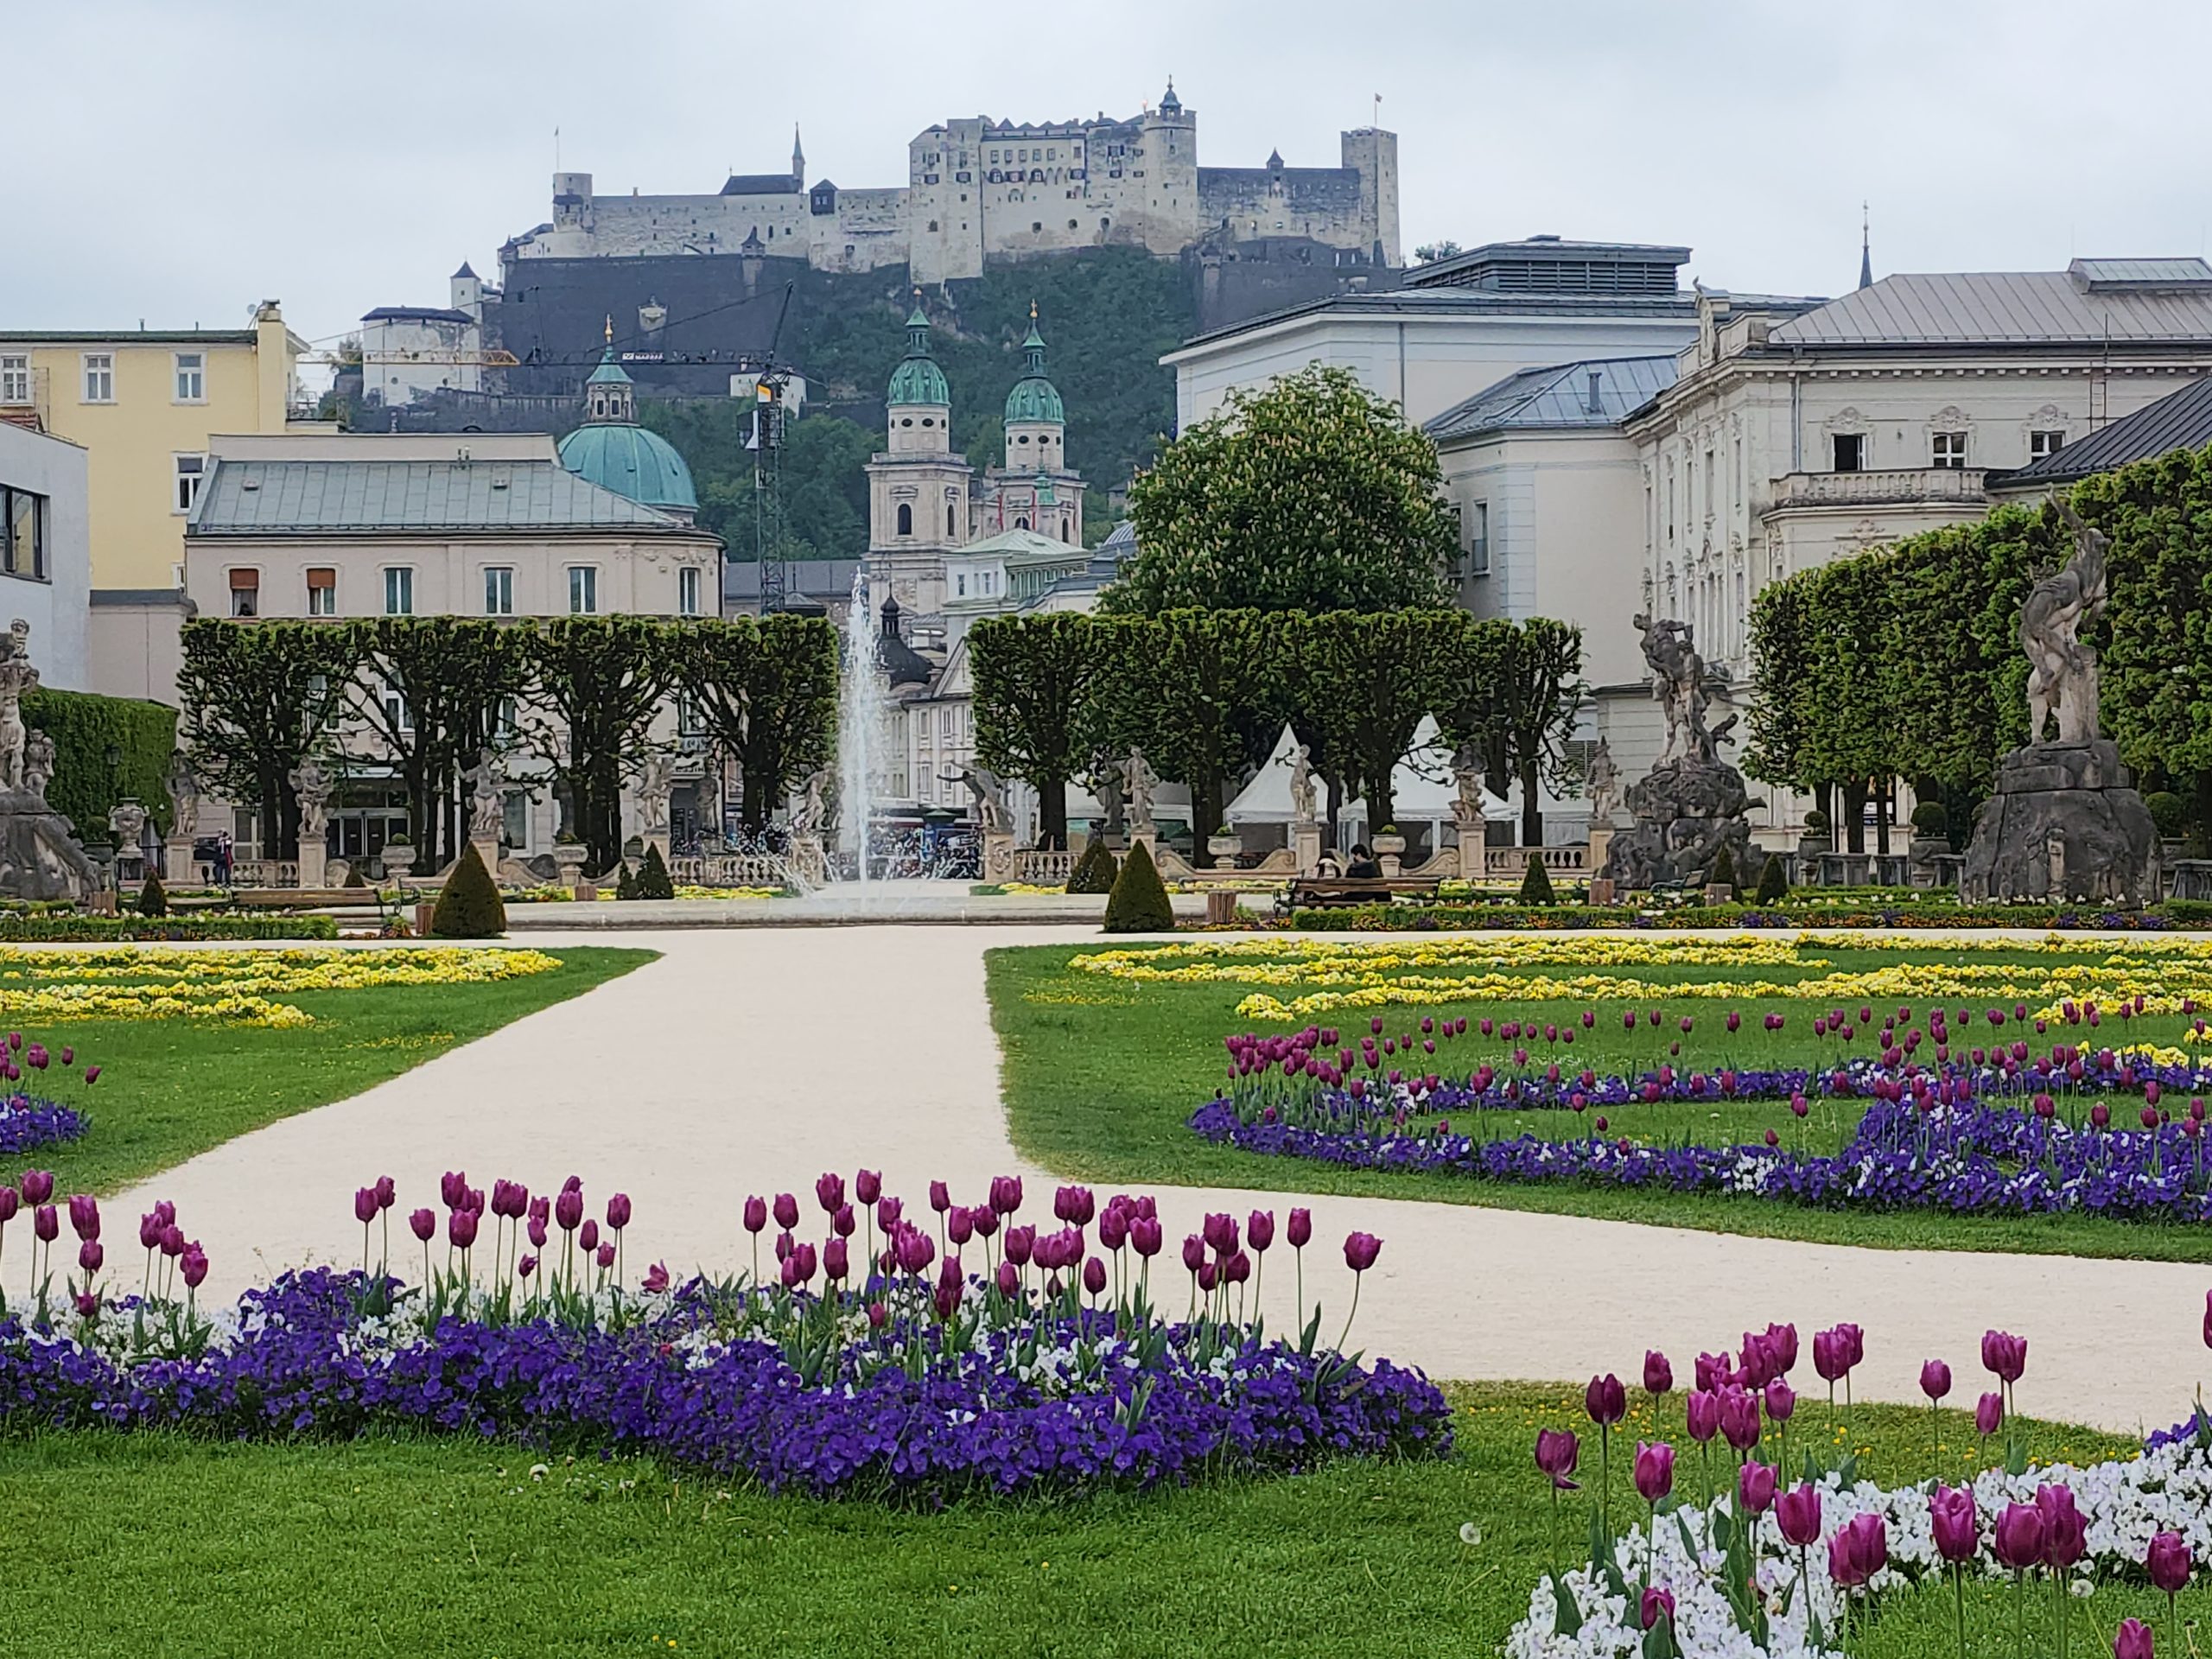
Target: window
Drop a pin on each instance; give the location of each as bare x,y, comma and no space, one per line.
190,471
246,592
1478,539
960,587
583,590
22,533
191,376
499,590
399,590
906,519
15,379
687,591
1950,449
2044,443
1850,451
99,377
396,714
323,592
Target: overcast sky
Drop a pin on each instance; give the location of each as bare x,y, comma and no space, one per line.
177,161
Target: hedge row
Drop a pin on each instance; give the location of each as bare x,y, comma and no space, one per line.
2175,913
85,728
86,930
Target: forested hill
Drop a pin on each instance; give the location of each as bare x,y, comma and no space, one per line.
1107,317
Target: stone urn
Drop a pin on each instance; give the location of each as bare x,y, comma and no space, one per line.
1228,844
1389,851
570,858
398,857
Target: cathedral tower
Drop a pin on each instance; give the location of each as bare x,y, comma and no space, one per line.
918,486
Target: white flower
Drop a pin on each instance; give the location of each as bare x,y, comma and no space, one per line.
1470,1533
538,1471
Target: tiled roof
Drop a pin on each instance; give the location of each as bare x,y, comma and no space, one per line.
290,497
2006,308
415,314
2181,420
1558,397
1450,303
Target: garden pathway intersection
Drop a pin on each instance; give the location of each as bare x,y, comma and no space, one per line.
751,1060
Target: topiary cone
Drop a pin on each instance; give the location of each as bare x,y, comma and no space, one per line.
1095,870
469,907
1139,902
1536,881
153,897
1774,887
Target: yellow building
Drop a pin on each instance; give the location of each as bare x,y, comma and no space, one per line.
144,404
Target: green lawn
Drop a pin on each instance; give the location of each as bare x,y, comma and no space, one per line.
156,1545
1101,1075
171,1088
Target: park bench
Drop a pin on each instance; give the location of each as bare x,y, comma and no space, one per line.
1325,893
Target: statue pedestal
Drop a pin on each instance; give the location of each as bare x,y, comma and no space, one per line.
1601,844
2063,826
488,850
999,861
178,863
1474,840
654,838
1687,812
1388,851
1306,846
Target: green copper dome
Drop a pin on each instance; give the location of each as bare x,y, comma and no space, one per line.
1033,396
631,461
918,380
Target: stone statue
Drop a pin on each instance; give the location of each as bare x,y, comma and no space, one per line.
811,815
1304,806
989,798
1140,780
126,822
1677,683
1601,781
184,796
16,676
1105,781
313,786
655,782
487,802
2061,670
38,765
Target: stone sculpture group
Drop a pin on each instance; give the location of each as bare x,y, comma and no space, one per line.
1689,809
39,858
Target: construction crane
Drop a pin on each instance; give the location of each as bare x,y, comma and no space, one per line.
775,377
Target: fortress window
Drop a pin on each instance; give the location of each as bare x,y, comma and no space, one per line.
1036,224
1072,224
906,519
932,223
1105,224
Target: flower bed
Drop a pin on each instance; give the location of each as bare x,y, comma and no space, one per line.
1764,1570
88,930
1038,1368
1419,919
234,985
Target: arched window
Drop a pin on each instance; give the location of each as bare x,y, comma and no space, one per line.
947,520
1064,531
906,519
1021,522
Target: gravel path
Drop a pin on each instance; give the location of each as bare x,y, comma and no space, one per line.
751,1060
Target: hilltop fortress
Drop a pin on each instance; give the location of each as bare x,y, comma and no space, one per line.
978,189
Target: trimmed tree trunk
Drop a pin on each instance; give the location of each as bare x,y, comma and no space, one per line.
1052,814
1532,807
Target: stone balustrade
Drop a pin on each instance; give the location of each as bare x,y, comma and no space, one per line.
1964,485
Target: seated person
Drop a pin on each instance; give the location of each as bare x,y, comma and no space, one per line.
1363,866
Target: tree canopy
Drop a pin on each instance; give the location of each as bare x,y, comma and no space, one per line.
1308,494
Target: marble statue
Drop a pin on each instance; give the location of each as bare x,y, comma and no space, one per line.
2061,670
314,785
184,796
1139,780
16,676
1304,807
38,765
988,795
1677,684
126,822
1601,781
656,783
1105,781
810,818
488,801
1689,808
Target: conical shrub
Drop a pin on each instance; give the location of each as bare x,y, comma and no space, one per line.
1095,870
1723,874
469,907
153,897
1536,882
652,876
1774,884
1138,903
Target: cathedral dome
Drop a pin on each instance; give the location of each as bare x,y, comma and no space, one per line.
1034,398
918,380
631,461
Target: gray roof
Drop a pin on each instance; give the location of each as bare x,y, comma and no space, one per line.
1121,541
759,184
2011,309
415,314
1448,303
2096,274
293,498
1557,397
817,578
2181,420
1553,265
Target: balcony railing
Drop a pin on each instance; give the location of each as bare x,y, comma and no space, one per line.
1903,486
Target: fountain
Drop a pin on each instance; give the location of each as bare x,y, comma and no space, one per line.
863,716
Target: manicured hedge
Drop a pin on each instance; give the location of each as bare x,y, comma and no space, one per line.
1424,918
83,727
86,930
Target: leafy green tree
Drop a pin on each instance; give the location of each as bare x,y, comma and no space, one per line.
1359,683
596,684
1032,679
766,693
1198,689
430,689
256,699
1309,494
1541,698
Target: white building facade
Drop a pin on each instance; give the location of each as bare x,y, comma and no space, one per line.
46,558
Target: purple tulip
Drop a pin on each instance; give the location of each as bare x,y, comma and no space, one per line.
569,1209
1658,1374
46,1224
1989,1414
2019,1539
451,1187
1219,1232
1755,1484
387,1192
756,1214
1006,1193
1780,1401
525,1268
829,1191
1021,1243
536,1232
587,1237
1797,1512
1360,1251
1557,1451
888,1210
867,1186
1858,1551
84,1215
192,1264
2168,1563
365,1211
1094,1275
1957,1527
605,1257
38,1186
1299,1230
1702,1410
424,1222
10,1201
1935,1379
2066,1535
1146,1235
460,1227
91,1074
90,1255
916,1250
2004,1354
1657,1604
1260,1230
940,1197
88,1303
1740,1418
1655,1471
2133,1641
785,1209
617,1211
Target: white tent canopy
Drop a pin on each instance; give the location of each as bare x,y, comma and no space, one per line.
1421,786
1266,799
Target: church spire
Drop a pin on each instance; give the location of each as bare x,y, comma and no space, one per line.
1865,247
798,158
